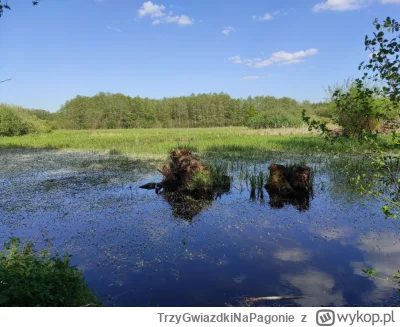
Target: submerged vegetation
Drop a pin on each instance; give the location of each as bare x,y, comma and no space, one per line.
30,278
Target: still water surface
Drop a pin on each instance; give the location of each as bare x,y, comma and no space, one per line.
135,249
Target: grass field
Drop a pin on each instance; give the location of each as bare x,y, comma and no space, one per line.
227,141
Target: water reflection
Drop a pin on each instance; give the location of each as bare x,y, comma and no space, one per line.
300,201
381,252
293,255
289,185
187,206
134,252
317,287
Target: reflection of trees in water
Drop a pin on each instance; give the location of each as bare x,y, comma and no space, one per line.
301,201
185,205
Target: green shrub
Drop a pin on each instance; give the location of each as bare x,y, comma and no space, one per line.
11,123
29,278
275,119
357,109
15,121
324,111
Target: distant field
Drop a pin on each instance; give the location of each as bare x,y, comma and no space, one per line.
235,141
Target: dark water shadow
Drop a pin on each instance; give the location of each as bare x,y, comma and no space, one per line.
300,201
187,205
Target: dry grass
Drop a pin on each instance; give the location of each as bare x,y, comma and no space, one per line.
283,131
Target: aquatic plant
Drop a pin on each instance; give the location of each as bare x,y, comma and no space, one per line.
219,174
261,178
114,151
253,185
201,181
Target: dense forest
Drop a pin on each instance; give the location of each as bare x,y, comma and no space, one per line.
105,111
109,111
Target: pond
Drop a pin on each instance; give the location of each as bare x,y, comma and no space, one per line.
137,249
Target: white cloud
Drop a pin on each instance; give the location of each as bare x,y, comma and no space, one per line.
114,29
150,9
235,60
251,62
341,5
180,20
252,78
281,57
267,16
158,15
228,30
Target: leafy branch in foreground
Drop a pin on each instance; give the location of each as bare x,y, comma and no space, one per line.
384,182
372,274
4,5
383,67
29,278
360,108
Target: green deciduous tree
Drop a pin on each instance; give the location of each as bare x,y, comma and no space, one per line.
106,110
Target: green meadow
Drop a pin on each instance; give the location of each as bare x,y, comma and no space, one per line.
221,142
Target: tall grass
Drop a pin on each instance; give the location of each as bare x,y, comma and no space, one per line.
275,119
218,142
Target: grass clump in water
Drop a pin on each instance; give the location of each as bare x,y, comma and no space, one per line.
200,181
30,279
114,151
186,173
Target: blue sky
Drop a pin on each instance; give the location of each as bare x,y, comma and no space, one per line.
163,48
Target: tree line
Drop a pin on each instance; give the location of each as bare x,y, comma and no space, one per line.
109,111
